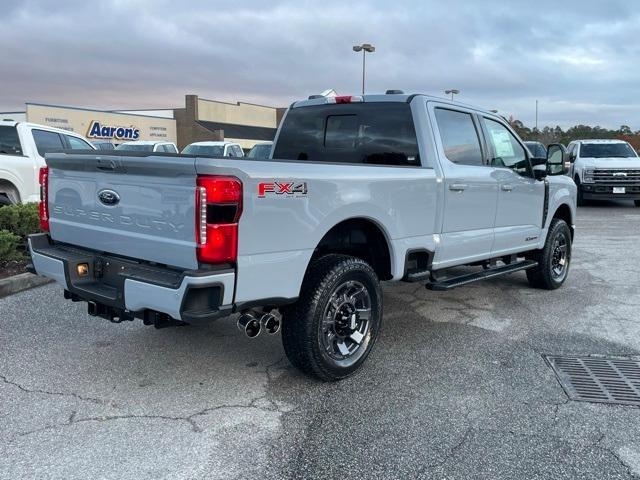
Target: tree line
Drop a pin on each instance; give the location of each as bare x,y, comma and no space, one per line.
578,132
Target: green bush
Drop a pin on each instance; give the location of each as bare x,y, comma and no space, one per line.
21,220
9,246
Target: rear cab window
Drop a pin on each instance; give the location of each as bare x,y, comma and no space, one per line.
9,141
377,133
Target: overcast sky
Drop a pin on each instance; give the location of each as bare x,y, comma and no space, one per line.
579,58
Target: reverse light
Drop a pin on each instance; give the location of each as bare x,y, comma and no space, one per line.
43,207
218,209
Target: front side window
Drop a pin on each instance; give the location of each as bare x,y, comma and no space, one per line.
47,141
372,133
459,137
9,141
506,151
77,144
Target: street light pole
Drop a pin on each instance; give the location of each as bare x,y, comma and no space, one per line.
364,48
452,92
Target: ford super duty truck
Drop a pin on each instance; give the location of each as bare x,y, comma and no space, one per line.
358,190
604,170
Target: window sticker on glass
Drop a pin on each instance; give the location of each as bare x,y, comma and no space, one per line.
502,143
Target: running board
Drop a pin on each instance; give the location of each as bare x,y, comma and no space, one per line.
449,283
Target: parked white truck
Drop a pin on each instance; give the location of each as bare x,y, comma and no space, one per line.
604,170
360,189
22,150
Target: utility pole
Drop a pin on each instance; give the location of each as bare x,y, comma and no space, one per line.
536,114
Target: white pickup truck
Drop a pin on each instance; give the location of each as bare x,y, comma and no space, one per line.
604,170
360,189
22,150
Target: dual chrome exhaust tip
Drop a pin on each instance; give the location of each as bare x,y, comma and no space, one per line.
252,324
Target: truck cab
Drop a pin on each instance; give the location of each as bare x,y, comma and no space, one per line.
23,147
604,170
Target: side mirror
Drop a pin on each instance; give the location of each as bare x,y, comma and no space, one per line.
555,159
539,172
538,161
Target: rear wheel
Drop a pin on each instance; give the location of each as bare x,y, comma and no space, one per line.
331,329
554,259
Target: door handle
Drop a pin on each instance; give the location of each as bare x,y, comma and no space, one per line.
506,188
457,187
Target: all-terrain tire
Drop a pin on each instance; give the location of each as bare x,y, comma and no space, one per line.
581,202
548,274
305,335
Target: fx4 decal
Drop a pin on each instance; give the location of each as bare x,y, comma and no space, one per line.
288,189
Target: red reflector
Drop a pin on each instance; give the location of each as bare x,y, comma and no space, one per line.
222,244
217,242
343,99
43,207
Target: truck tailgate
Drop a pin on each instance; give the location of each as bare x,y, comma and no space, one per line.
140,206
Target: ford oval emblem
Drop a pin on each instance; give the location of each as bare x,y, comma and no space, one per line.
108,197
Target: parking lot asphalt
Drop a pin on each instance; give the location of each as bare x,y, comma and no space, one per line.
456,386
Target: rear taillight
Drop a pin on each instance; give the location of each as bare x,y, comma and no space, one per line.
44,198
218,209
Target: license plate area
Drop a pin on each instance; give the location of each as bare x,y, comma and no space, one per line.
619,190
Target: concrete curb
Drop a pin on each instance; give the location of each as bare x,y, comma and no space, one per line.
20,282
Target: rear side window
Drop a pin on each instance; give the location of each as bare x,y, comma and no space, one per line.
47,141
459,137
373,133
9,141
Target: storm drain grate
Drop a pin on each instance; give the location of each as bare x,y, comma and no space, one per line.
598,379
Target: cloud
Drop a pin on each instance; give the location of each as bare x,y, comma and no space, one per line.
581,60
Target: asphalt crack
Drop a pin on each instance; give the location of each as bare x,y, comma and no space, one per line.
261,402
77,396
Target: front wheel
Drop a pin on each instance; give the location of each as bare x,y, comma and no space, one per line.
580,201
329,332
554,259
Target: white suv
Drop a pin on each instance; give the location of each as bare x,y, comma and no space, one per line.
148,146
214,149
22,149
604,169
